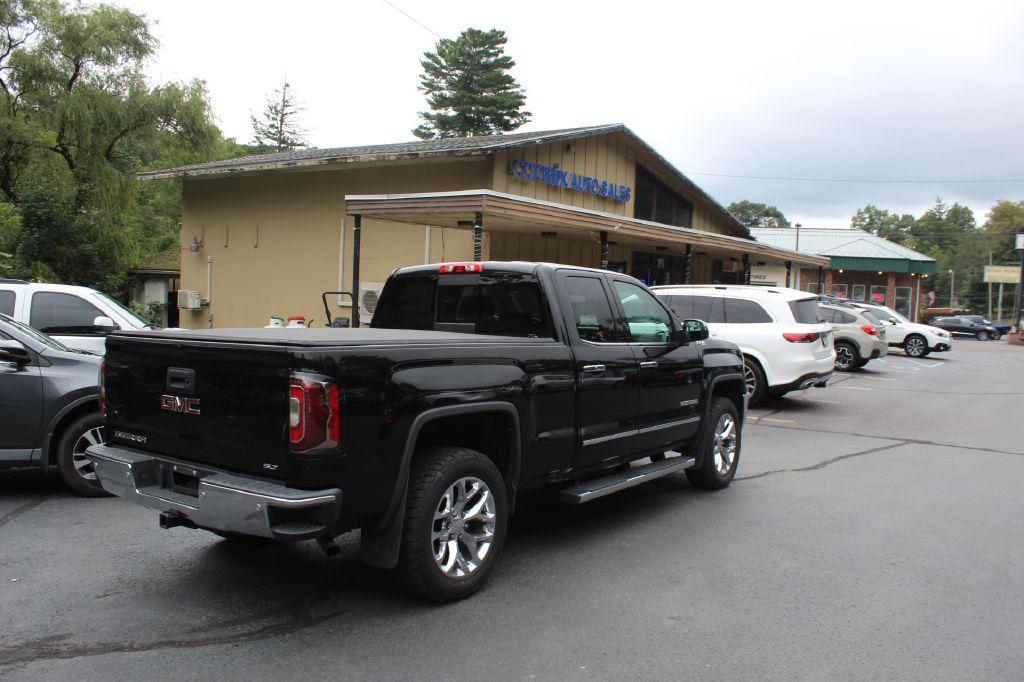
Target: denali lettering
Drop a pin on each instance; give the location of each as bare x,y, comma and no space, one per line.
174,403
124,435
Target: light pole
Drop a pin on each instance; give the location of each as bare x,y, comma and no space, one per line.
952,282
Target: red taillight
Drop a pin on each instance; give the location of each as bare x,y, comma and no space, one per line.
314,414
103,387
868,329
460,268
810,337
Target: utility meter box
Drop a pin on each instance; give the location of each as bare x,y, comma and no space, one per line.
189,300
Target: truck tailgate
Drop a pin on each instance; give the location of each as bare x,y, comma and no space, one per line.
225,405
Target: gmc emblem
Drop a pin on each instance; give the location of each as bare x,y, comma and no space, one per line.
173,403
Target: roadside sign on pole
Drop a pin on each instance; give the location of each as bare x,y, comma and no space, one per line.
1001,274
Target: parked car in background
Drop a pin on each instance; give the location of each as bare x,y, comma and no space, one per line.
970,325
916,340
857,335
78,317
786,344
49,406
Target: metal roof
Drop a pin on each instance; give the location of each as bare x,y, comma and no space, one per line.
848,248
444,146
440,147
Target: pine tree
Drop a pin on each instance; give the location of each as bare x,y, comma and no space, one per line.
278,129
469,88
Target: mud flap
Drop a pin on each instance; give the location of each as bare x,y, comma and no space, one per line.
379,546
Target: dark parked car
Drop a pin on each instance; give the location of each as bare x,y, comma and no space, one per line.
476,382
969,325
49,406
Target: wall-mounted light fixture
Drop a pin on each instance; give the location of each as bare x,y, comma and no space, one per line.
549,235
840,272
662,248
879,272
195,244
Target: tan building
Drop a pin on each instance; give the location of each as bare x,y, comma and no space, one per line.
265,235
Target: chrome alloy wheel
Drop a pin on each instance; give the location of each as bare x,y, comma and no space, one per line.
725,444
749,378
83,465
844,357
915,347
463,530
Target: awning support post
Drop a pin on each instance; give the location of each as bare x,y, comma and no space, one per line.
478,237
820,290
789,271
604,249
746,268
357,229
688,265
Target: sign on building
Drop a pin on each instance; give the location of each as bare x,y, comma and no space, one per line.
1001,274
1020,242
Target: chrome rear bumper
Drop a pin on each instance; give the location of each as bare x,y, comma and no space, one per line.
213,499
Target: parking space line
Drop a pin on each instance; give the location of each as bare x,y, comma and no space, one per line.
781,421
855,388
875,378
817,400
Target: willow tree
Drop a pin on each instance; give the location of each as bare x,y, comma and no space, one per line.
78,119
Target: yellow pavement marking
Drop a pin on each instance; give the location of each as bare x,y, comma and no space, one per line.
781,421
854,388
753,419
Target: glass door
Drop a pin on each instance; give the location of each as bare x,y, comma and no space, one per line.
903,301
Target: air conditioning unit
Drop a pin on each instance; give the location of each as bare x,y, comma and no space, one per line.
369,294
189,300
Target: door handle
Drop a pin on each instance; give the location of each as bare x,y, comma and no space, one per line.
646,364
593,368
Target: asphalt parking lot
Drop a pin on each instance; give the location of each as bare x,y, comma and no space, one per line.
875,529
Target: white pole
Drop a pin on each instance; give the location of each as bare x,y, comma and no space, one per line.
341,261
917,303
999,303
426,244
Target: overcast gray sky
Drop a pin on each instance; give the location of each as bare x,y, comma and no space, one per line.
865,90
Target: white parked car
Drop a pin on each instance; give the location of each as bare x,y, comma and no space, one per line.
78,317
786,343
916,340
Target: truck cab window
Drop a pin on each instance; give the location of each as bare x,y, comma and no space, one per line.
57,313
646,319
591,309
7,302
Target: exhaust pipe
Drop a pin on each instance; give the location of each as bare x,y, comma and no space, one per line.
328,545
173,519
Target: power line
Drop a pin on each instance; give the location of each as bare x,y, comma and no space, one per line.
410,17
862,180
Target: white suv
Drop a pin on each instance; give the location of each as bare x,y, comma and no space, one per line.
916,340
78,317
786,343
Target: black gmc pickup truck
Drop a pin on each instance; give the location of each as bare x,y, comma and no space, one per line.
474,383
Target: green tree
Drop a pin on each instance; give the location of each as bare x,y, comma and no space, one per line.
78,120
469,87
278,129
882,223
1004,220
754,214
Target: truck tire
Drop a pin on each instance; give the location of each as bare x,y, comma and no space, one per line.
754,378
847,357
982,335
915,346
456,514
74,468
721,443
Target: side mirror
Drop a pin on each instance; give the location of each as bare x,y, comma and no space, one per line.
695,330
104,324
12,351
893,320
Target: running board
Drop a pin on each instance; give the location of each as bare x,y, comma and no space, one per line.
599,487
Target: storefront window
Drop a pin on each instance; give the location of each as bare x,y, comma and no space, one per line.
877,294
903,301
840,291
858,292
658,268
655,201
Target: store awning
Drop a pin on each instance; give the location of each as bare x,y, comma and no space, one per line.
501,212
